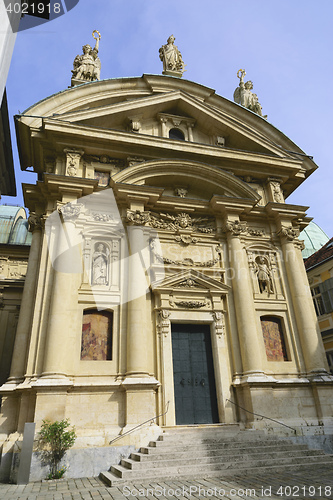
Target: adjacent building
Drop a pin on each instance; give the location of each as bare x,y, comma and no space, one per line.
319,268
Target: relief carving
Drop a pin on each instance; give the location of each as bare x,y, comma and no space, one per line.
172,222
72,161
236,228
100,217
292,234
189,304
187,261
70,211
219,323
12,269
181,192
277,192
163,325
188,283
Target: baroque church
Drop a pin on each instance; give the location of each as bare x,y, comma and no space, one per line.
165,284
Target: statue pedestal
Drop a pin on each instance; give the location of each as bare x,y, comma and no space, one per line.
169,72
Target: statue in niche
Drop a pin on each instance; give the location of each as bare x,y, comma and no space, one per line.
243,94
264,275
100,262
87,66
172,58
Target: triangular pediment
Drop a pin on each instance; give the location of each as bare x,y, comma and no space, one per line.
188,280
210,125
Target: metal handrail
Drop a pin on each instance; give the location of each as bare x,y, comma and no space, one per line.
140,425
262,416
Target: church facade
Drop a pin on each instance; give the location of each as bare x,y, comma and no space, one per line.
165,277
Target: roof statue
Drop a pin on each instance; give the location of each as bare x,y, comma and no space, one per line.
173,64
87,66
243,94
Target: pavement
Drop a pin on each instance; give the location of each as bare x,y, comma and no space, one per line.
315,483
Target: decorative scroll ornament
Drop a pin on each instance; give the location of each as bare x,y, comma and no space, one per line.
290,233
102,217
181,192
189,304
237,228
188,283
163,326
219,323
72,161
137,218
255,232
36,222
185,239
70,211
277,192
299,244
171,222
184,262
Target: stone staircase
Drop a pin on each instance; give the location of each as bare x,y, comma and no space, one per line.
221,450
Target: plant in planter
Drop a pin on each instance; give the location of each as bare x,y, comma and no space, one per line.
55,438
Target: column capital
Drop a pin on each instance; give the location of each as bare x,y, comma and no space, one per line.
137,217
235,228
70,211
291,234
36,222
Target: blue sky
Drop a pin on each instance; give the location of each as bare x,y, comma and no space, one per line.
285,47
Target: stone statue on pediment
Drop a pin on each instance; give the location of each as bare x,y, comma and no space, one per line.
87,66
173,63
243,94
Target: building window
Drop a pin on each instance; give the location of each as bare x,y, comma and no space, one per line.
96,342
329,356
177,134
322,296
317,300
273,338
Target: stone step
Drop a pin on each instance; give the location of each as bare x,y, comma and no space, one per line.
135,465
142,460
202,445
221,465
225,429
111,479
210,436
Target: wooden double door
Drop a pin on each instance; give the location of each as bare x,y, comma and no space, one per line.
193,371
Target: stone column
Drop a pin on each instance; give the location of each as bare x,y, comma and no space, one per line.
137,315
21,346
244,304
313,351
61,331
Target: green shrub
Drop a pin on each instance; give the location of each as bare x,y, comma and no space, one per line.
56,439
